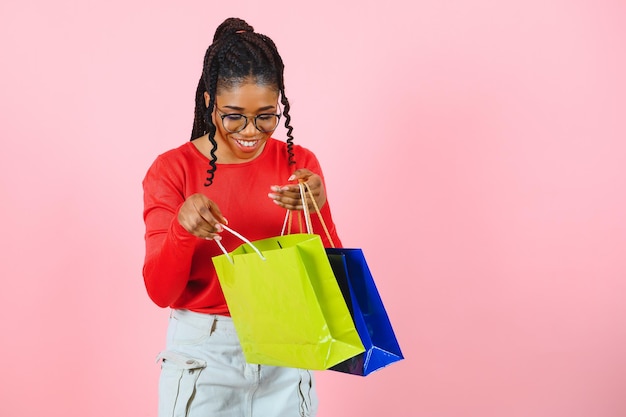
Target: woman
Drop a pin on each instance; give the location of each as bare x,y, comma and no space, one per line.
232,168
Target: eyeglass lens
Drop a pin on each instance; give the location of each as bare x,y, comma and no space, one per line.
237,122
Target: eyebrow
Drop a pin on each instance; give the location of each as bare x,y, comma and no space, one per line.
240,109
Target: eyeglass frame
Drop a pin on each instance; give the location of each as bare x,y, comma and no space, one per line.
247,119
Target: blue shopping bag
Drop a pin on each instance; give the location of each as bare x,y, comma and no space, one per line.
362,299
367,310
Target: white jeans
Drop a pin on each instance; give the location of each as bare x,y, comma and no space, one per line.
204,374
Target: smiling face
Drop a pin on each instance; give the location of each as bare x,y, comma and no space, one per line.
249,99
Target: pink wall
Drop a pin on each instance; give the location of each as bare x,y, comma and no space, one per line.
474,149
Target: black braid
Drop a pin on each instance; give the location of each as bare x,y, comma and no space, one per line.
212,128
286,108
236,55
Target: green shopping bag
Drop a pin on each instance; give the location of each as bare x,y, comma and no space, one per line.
285,302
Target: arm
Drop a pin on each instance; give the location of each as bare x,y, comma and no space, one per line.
173,225
169,247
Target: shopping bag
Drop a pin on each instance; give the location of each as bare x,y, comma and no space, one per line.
286,304
364,303
367,310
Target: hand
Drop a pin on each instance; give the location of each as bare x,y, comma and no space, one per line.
201,217
288,196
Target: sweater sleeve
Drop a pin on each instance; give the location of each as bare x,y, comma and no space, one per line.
169,247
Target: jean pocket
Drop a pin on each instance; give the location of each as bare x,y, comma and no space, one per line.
183,333
177,384
307,393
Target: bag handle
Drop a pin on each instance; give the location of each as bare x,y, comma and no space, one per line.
304,187
240,237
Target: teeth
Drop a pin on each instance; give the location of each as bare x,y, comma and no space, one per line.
246,143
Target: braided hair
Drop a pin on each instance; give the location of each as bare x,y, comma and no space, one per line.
236,55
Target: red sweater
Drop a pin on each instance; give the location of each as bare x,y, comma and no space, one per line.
178,271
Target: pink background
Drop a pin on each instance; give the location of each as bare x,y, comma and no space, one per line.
475,150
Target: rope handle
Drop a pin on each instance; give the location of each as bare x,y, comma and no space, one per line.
240,237
304,187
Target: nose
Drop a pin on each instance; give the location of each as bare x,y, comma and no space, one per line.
250,129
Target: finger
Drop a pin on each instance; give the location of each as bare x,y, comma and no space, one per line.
313,188
301,174
213,236
293,203
288,202
289,195
197,226
217,214
313,182
210,215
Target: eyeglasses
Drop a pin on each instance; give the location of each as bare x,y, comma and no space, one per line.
236,122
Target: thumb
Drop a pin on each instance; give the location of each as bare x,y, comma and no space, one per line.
300,174
215,211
